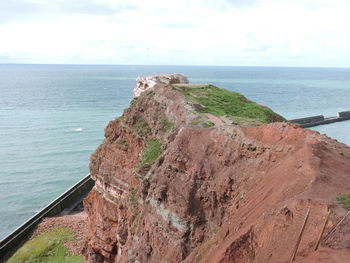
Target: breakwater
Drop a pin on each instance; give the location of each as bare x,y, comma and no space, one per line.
64,204
320,119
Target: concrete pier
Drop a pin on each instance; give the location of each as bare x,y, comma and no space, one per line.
320,119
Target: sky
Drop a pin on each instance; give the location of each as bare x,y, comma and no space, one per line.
301,33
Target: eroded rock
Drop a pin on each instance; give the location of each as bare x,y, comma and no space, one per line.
182,190
146,83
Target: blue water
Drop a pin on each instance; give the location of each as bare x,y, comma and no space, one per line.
52,117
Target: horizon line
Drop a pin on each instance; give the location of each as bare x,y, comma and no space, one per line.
171,65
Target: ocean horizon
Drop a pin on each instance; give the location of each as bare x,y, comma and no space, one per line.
53,116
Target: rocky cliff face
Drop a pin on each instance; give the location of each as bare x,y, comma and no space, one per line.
193,173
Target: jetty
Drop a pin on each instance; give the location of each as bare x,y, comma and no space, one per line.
321,120
70,201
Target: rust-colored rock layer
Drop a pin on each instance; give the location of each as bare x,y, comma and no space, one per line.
218,194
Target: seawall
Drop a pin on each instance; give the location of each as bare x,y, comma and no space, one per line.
320,119
62,205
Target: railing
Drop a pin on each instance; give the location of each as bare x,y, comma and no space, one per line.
67,201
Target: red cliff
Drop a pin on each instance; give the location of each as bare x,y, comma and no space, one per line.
193,173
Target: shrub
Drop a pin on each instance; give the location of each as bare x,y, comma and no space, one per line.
141,127
344,199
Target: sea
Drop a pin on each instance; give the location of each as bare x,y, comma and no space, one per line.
52,117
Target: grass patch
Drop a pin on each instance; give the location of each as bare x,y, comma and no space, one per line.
141,127
47,247
204,124
221,102
134,102
344,200
208,124
133,196
152,152
166,125
191,86
149,92
121,142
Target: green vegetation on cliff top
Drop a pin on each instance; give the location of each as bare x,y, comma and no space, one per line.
207,98
47,247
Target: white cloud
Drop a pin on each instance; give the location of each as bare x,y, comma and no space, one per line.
224,32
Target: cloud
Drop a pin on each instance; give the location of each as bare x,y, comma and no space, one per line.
178,24
224,5
242,3
94,7
19,10
221,32
14,10
258,48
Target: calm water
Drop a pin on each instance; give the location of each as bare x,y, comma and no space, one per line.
52,117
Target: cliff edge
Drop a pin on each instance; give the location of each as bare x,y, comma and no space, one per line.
195,173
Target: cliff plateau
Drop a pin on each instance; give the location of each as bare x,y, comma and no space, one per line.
192,173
